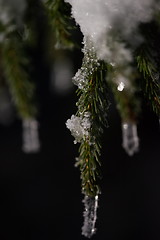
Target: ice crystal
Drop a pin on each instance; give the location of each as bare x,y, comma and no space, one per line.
79,126
31,142
89,65
130,138
90,215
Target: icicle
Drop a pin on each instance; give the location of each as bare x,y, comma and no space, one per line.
130,138
62,75
31,142
90,215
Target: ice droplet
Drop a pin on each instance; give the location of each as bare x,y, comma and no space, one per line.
30,136
90,215
121,86
113,64
130,138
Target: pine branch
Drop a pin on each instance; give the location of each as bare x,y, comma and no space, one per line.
92,101
35,19
15,67
150,85
61,23
92,110
148,64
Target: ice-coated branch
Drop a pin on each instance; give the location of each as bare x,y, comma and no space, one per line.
87,126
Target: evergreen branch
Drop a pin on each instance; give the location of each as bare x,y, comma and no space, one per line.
148,65
93,101
62,24
92,109
90,147
151,85
35,19
16,73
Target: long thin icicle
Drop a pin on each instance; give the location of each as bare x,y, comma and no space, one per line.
90,215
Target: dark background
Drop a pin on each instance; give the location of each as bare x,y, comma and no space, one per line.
40,194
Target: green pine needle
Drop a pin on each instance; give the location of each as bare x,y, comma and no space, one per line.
59,13
92,99
15,66
151,87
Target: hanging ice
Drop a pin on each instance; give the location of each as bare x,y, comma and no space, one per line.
30,136
62,75
130,138
90,215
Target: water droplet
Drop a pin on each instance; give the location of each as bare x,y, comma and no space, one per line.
113,64
121,86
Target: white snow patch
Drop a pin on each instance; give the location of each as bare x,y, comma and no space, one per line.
102,20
